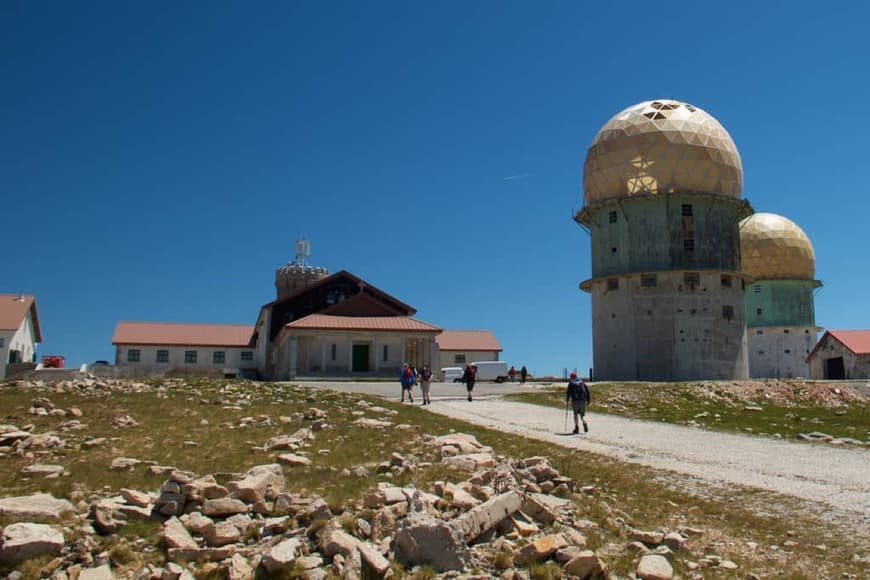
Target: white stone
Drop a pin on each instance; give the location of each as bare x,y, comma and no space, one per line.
24,541
281,556
654,567
99,573
293,460
38,505
43,470
176,536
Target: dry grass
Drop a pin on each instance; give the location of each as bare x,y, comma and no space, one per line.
210,414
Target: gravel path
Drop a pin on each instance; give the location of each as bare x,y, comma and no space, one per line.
835,476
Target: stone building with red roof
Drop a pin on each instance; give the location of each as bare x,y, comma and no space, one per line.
841,354
19,330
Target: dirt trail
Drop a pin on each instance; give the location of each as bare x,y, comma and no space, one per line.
835,477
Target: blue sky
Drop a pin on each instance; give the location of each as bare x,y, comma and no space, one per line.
158,160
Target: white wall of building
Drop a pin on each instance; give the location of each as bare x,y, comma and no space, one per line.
460,358
780,351
23,340
147,357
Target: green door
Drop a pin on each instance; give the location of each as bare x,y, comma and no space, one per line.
360,358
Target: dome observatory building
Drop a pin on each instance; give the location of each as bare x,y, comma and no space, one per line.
780,315
662,186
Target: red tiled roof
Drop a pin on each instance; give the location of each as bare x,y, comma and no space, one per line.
13,309
182,334
858,341
374,323
467,340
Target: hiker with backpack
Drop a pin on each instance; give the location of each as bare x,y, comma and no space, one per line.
579,395
407,379
468,378
425,383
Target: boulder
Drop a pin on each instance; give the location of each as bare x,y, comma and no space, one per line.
38,505
470,461
654,567
124,464
196,522
224,506
334,541
293,460
462,442
221,534
540,549
487,515
43,470
139,498
651,539
260,483
587,565
373,562
281,556
24,541
239,568
175,535
547,509
99,573
423,539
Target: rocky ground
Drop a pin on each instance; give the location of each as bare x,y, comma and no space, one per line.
496,516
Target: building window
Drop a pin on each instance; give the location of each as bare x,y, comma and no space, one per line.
726,281
757,288
334,349
761,352
385,353
218,357
612,250
803,309
189,357
247,355
786,331
459,358
649,281
758,312
613,284
133,355
691,279
1,342
689,245
759,332
163,356
727,312
687,210
787,351
613,217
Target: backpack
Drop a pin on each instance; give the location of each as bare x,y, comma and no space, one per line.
427,374
407,373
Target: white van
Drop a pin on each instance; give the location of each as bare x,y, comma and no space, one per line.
452,374
491,370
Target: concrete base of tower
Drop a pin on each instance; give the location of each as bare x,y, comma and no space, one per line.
780,351
669,326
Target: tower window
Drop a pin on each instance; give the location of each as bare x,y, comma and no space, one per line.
786,331
689,245
757,288
687,210
787,351
691,279
726,281
727,312
649,281
761,352
804,309
613,284
613,217
758,312
613,250
759,332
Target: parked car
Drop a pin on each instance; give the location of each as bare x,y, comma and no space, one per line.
100,363
451,374
491,370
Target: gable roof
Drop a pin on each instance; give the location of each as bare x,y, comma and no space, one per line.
857,341
362,283
468,340
183,334
13,309
371,323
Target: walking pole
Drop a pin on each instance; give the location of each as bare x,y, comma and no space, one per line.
566,415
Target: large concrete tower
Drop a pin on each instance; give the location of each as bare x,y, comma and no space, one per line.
662,184
780,313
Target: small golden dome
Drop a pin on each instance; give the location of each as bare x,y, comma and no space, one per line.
775,248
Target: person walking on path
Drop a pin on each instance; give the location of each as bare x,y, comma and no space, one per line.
579,396
468,379
512,374
523,374
407,379
426,383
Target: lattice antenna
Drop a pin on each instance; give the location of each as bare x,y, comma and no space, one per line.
303,250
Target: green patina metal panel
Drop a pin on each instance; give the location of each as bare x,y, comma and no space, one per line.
780,303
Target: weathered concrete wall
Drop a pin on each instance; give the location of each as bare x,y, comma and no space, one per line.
780,303
780,351
671,331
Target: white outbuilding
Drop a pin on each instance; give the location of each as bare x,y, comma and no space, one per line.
19,330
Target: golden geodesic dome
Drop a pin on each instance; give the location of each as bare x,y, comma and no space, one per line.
661,147
775,248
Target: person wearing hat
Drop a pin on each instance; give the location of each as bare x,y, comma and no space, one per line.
578,393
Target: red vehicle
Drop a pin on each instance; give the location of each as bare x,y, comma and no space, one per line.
53,361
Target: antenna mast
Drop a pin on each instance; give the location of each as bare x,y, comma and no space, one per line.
303,250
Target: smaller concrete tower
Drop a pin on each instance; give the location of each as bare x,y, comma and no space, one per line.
298,274
780,315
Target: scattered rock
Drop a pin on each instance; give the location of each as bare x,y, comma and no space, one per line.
654,567
24,541
38,505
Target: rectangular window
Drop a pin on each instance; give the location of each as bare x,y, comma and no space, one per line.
687,209
163,356
691,278
758,312
385,353
459,358
759,332
333,351
786,331
689,245
218,357
761,352
788,351
727,312
613,284
1,342
726,281
247,355
757,288
189,357
649,281
803,309
133,355
613,217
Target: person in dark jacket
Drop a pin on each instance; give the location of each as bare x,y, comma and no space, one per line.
579,395
407,379
468,378
523,374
